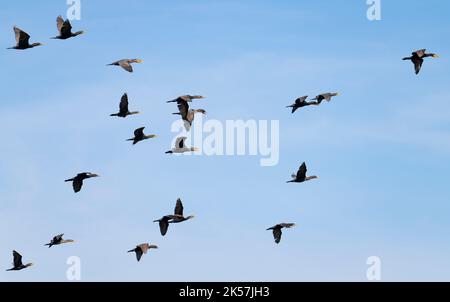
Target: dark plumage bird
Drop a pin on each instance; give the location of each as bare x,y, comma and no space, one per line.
124,111
140,136
324,96
176,218
301,175
417,58
18,265
78,180
188,115
142,249
277,230
126,64
23,40
65,29
58,240
301,102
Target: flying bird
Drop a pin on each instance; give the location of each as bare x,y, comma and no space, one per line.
140,136
301,175
180,147
23,40
78,180
300,103
176,218
18,265
277,230
179,216
58,240
124,111
142,249
126,64
324,96
186,98
418,58
188,115
65,29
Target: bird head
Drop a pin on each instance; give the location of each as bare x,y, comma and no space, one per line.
138,61
190,217
37,44
435,56
194,149
94,175
29,264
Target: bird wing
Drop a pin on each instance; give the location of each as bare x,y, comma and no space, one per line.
301,174
77,184
22,38
124,104
287,225
58,238
300,100
417,64
179,208
66,29
17,259
139,253
139,132
125,65
164,226
420,53
183,107
277,234
180,142
59,23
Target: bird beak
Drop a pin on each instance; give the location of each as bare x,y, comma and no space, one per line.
337,94
436,56
95,175
139,61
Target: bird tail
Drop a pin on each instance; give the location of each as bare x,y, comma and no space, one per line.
67,180
130,251
406,59
49,245
114,114
176,113
290,181
169,152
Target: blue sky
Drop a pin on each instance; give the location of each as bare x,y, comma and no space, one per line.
382,148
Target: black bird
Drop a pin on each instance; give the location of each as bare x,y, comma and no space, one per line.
418,57
140,136
78,180
65,29
178,213
142,249
176,218
301,175
301,102
18,265
23,40
324,96
277,230
124,111
58,240
126,64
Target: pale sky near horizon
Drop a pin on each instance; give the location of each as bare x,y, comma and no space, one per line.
381,149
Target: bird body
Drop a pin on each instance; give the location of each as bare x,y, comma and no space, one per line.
187,114
78,180
417,58
176,218
277,230
126,64
301,175
65,29
23,40
300,103
186,98
180,147
140,136
17,263
123,108
58,240
142,249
